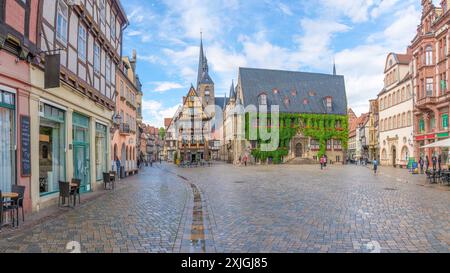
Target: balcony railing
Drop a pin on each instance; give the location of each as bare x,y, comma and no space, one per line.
125,129
426,101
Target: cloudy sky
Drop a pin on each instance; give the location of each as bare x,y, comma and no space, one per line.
290,34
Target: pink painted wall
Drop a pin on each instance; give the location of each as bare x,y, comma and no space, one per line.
16,75
33,20
15,16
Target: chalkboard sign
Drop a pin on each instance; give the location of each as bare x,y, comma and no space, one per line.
25,147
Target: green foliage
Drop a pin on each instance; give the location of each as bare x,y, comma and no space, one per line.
162,133
317,126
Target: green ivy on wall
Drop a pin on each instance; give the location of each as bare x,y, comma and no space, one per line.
321,127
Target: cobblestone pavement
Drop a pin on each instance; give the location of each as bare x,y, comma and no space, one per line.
342,209
142,215
253,209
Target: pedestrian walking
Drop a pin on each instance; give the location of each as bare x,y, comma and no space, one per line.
151,162
245,161
421,164
325,161
118,166
434,161
439,162
375,166
427,163
321,162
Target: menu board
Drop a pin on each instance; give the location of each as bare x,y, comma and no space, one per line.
25,147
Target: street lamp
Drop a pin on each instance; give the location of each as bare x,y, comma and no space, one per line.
116,123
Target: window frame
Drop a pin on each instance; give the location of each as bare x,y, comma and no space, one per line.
61,31
97,58
82,43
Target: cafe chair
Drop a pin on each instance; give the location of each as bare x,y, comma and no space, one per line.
64,192
107,179
6,206
19,201
76,190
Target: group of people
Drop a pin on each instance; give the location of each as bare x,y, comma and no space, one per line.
435,160
323,162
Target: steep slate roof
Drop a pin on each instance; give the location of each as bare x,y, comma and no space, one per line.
311,86
221,101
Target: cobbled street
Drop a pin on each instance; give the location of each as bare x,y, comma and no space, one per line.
253,209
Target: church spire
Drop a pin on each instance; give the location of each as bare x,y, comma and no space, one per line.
203,69
334,67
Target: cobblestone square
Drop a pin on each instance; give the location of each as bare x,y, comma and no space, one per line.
224,208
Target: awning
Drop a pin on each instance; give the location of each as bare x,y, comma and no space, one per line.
438,144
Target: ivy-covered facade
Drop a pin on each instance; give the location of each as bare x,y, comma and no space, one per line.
311,119
323,135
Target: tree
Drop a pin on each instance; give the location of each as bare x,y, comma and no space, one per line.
162,133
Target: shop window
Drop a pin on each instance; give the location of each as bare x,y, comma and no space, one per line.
51,149
444,121
7,142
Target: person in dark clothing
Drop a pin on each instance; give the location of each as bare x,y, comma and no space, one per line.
434,161
421,164
439,162
427,163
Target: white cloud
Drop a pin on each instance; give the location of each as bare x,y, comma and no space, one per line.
363,66
285,9
166,86
154,112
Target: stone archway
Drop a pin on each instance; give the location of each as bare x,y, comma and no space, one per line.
299,150
394,155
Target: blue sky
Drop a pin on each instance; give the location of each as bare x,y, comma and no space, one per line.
294,35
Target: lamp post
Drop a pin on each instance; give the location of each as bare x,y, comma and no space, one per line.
116,123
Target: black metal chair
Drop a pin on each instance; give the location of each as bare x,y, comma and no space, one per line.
107,179
6,206
64,192
75,191
19,200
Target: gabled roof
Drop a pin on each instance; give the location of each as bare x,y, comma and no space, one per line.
304,92
356,122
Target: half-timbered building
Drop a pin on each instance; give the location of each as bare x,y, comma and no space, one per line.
81,42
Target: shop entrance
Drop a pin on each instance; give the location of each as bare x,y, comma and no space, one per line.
81,155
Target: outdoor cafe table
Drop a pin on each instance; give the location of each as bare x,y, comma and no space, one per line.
10,195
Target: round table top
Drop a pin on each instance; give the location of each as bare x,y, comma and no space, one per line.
10,195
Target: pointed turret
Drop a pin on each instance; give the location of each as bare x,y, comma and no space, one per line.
334,68
232,92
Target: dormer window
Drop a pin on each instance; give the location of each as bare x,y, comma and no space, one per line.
329,103
263,99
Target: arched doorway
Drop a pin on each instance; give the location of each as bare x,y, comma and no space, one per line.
394,156
123,154
115,155
298,150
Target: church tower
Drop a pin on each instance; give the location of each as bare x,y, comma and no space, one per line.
205,85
